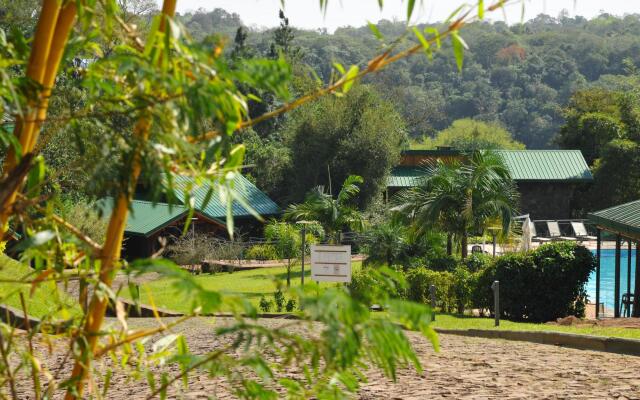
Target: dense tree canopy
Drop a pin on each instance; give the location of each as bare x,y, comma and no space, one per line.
605,125
336,137
468,134
519,75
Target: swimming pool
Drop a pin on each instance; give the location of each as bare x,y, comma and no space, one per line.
607,277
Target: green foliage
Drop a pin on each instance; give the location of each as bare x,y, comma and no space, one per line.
355,134
83,216
334,214
541,285
286,237
592,121
291,305
279,300
261,252
419,281
604,125
265,305
385,243
616,175
367,283
469,135
459,197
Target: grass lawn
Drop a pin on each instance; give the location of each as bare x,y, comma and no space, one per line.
446,321
252,284
45,298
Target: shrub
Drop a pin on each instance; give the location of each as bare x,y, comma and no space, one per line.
477,262
464,285
265,305
291,305
420,279
541,285
444,263
278,297
261,252
369,285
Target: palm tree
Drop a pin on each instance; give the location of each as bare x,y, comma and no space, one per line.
334,214
462,196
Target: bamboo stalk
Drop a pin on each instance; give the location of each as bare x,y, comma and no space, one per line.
36,69
113,246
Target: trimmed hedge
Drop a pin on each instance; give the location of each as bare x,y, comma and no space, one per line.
537,286
541,285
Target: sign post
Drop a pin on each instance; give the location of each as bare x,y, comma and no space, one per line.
331,263
495,286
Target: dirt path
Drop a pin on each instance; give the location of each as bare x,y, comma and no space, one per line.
465,368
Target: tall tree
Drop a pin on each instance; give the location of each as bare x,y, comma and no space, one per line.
469,135
338,136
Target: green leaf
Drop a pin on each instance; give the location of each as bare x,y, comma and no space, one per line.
410,6
436,35
481,9
380,4
350,78
339,67
459,46
374,29
423,41
36,177
454,13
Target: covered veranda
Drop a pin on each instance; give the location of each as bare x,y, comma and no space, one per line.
623,223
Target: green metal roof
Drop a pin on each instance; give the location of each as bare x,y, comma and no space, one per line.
405,176
147,218
524,165
547,165
623,219
216,207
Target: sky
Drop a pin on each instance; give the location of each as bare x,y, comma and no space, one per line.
306,13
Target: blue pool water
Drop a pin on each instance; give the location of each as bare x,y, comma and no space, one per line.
607,277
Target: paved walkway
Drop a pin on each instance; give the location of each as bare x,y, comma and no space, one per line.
465,368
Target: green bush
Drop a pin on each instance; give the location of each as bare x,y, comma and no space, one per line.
265,305
261,252
540,285
291,305
420,279
278,297
444,263
370,285
465,283
477,262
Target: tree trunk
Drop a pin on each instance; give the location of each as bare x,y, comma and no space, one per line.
288,272
463,249
449,244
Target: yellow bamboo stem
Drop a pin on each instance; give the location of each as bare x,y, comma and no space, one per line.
112,247
66,19
36,69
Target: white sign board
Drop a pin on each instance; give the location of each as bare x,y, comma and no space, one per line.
331,263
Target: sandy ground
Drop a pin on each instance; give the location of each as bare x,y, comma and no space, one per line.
465,368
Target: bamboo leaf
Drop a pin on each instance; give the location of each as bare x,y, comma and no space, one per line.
458,49
374,29
410,6
350,78
423,41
